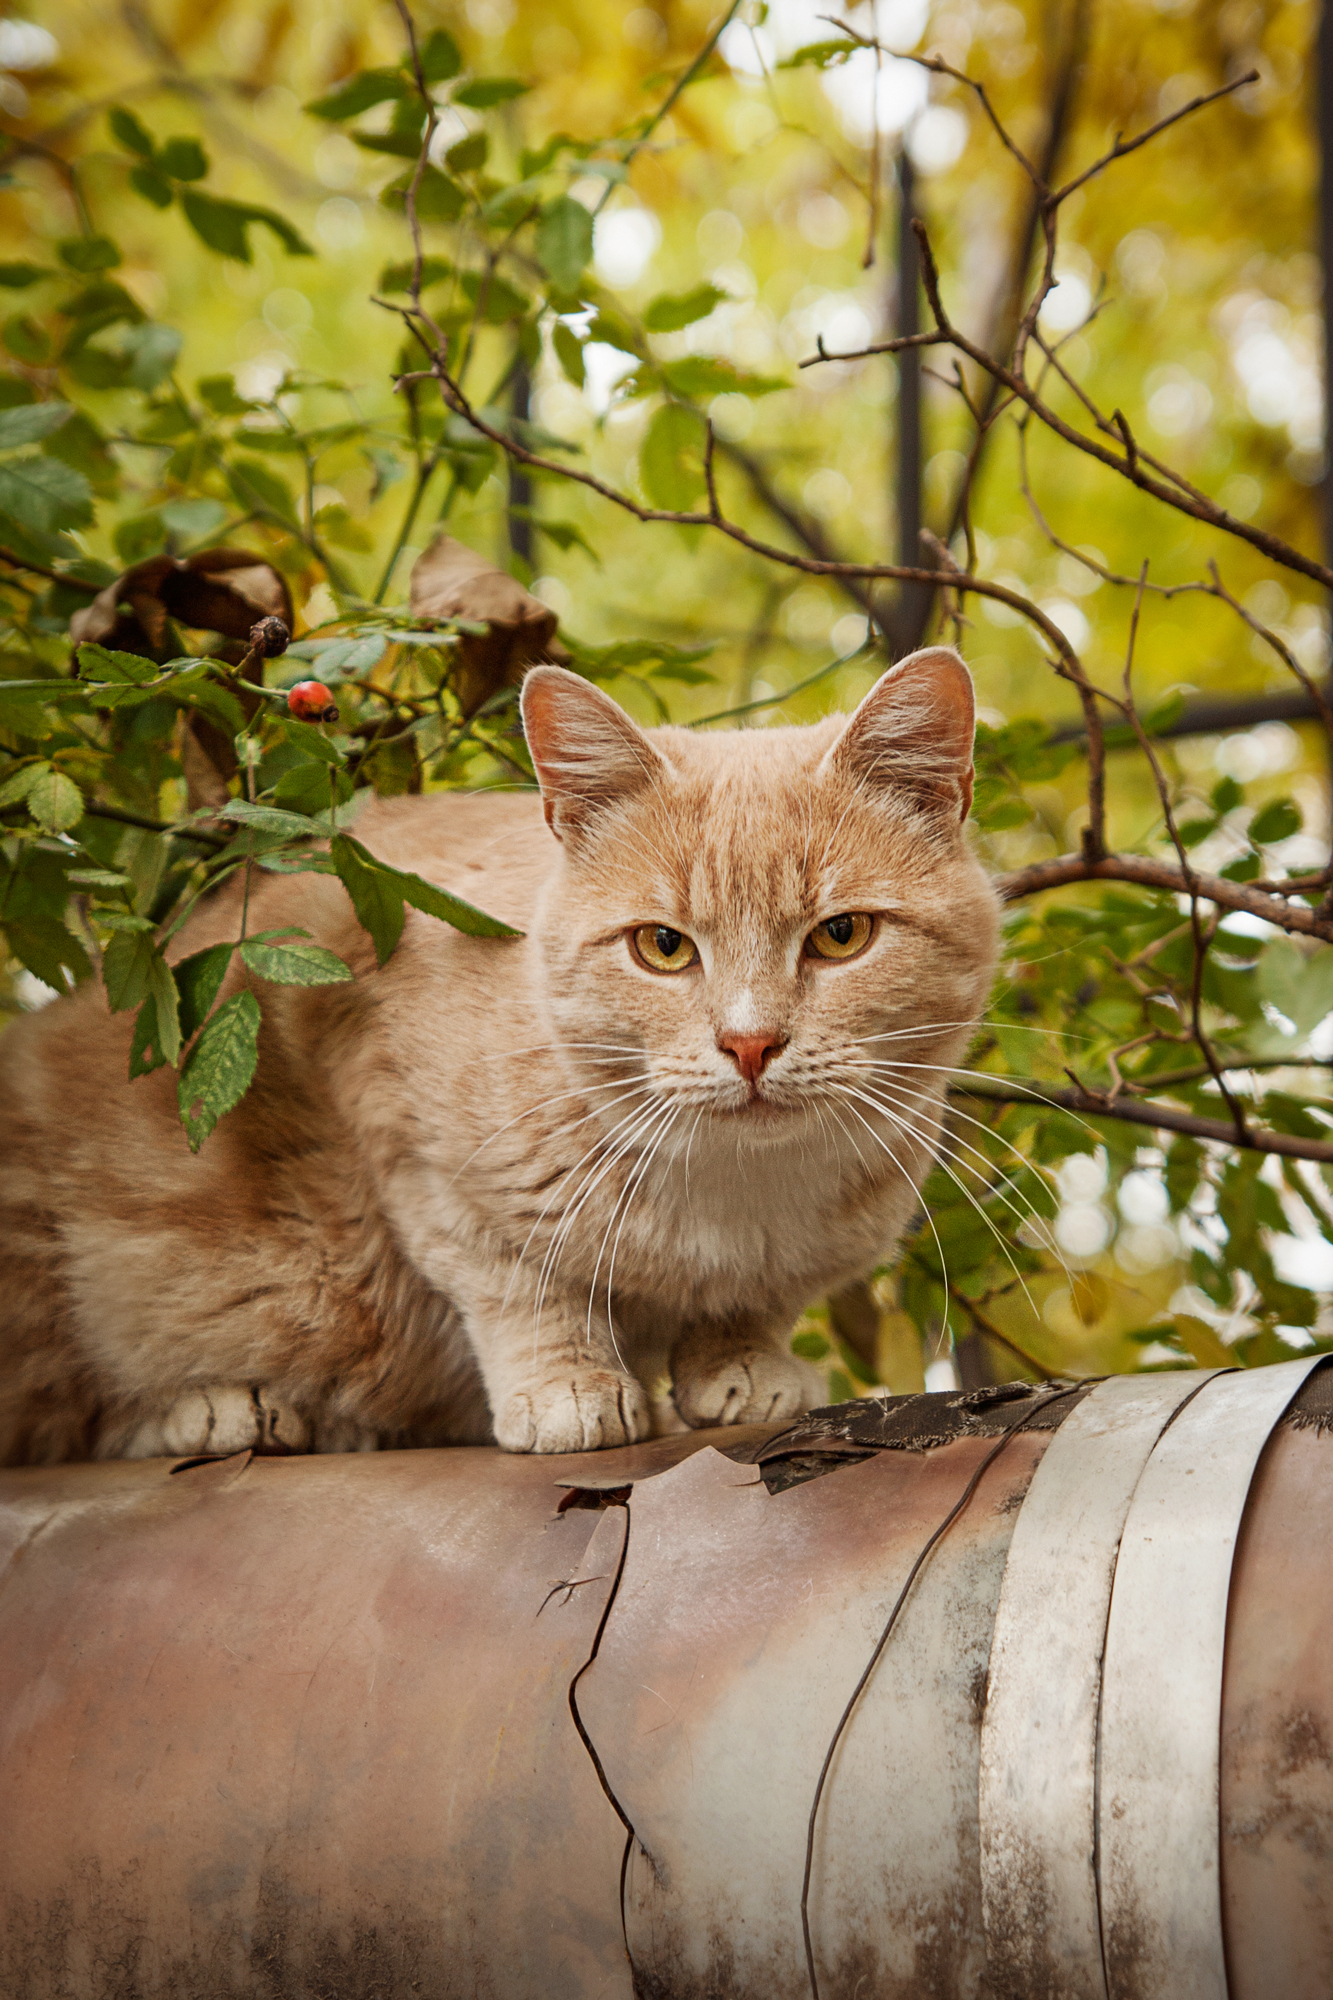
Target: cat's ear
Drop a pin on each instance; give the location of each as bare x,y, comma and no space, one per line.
913,733
587,752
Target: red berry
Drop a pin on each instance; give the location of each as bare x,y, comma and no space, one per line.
311,701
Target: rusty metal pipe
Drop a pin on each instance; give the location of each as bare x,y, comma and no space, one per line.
465,1724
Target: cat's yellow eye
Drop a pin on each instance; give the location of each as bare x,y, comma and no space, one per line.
840,937
663,950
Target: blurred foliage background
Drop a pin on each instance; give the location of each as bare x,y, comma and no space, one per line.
1189,296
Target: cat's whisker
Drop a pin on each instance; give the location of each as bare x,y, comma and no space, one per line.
963,1189
612,1083
879,1141
631,1189
595,1176
1012,1083
1024,1211
602,1140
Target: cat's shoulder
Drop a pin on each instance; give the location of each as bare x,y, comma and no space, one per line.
457,827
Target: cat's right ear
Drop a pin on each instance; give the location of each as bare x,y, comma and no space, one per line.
587,753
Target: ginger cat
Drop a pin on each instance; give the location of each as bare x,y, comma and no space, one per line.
493,1189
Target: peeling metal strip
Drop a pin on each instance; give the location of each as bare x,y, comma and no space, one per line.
1039,1734
1157,1812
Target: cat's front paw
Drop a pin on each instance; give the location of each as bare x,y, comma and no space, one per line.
224,1417
753,1385
580,1409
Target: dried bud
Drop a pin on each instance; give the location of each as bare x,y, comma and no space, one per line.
311,701
269,638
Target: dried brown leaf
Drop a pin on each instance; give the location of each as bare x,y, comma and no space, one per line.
452,581
216,590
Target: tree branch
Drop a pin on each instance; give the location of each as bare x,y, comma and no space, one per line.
1159,1117
1153,874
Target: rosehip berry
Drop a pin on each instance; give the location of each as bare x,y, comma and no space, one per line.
269,638
311,701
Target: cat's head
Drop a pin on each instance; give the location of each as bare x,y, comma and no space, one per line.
747,914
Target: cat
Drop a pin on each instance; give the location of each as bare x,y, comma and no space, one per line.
493,1189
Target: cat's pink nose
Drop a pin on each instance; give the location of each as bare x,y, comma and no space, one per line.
751,1052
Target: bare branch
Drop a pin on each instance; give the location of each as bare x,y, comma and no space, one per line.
1152,874
1159,1117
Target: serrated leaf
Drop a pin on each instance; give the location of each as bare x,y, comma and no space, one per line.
47,949
19,783
127,965
31,421
379,891
360,93
266,819
668,313
294,964
563,241
219,1068
55,801
101,663
310,787
485,91
44,494
145,1043
198,980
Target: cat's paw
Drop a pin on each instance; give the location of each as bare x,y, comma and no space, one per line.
753,1385
224,1418
580,1409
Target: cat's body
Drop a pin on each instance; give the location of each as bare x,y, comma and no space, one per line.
495,1187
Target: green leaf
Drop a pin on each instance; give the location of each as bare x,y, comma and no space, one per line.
810,1346
219,1068
377,900
219,392
89,253
55,801
30,421
153,186
378,893
223,225
266,819
671,459
127,967
1278,820
166,1004
256,484
183,159
361,93
821,55
198,980
127,130
701,375
16,277
100,663
307,789
145,1043
564,241
151,351
42,493
468,154
294,964
403,145
25,340
496,301
485,91
668,313
439,57
19,783
398,277
47,949
569,353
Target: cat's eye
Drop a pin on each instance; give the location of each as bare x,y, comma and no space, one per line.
840,937
663,950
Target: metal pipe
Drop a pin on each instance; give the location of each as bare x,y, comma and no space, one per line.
462,1723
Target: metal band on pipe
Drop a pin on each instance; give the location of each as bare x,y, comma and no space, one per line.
1039,1734
1157,1814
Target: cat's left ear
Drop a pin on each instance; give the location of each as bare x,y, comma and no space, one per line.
588,754
913,733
